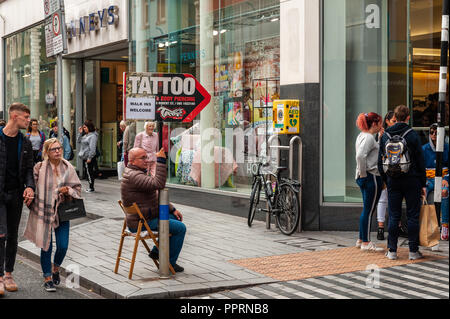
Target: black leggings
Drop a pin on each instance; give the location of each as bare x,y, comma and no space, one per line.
10,213
91,171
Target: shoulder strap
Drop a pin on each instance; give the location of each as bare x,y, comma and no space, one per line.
388,135
406,133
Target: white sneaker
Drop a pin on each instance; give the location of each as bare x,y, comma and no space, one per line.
392,255
435,248
358,243
371,247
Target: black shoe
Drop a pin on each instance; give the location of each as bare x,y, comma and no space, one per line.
56,279
177,268
380,234
154,255
49,286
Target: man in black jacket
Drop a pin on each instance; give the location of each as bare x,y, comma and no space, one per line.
16,187
410,185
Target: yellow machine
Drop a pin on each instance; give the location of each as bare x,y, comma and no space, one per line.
286,117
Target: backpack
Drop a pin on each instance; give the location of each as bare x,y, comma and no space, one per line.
396,159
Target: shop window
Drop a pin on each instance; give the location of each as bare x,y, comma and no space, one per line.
241,50
376,55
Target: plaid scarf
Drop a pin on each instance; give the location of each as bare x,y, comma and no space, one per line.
43,210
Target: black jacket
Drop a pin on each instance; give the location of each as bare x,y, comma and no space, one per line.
414,145
25,163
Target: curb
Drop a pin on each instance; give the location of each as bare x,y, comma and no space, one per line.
108,294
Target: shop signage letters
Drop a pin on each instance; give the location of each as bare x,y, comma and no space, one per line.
93,22
163,96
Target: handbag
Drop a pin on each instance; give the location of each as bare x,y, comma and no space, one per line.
71,209
429,234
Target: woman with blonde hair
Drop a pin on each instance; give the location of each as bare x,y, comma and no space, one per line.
56,182
149,141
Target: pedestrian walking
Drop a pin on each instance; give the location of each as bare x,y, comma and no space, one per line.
17,187
37,139
87,138
367,174
402,167
128,140
56,181
120,148
68,152
429,151
149,141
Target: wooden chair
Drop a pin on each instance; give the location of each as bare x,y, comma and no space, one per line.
140,236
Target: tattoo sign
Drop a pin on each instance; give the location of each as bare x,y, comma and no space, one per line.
165,97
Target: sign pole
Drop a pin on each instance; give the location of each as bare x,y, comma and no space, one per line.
59,66
441,109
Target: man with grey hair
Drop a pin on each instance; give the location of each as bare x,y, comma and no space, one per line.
140,188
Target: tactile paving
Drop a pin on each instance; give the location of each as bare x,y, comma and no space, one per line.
324,263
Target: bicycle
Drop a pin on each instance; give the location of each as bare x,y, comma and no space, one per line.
281,196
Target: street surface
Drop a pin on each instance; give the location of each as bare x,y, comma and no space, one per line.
28,276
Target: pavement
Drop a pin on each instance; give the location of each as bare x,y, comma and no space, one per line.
214,244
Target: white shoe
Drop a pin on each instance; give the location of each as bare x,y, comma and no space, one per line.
358,243
391,255
435,248
371,247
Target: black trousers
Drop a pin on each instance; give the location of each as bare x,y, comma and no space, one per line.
10,214
91,171
407,188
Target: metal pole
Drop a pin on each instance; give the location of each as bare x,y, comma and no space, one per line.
60,96
441,108
164,247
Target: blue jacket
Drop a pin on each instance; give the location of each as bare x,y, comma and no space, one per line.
417,168
430,157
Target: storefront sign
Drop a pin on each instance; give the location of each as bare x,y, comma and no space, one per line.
95,21
163,96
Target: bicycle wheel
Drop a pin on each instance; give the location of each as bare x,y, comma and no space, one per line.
254,201
289,215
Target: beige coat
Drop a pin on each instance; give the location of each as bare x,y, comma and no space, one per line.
43,210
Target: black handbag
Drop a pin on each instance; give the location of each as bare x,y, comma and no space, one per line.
71,209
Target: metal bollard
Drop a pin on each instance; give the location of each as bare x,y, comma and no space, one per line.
164,248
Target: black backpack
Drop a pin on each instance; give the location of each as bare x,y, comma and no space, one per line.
396,159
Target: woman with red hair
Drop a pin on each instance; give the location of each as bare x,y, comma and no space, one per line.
367,175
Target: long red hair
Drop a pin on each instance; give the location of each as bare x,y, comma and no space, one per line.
366,120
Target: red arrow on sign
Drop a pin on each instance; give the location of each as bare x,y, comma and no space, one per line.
202,105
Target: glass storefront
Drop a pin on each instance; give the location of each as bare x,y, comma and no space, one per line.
377,54
30,75
31,79
233,48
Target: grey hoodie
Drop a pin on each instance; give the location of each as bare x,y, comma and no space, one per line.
88,145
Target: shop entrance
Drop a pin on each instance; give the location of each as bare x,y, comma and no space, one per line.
103,89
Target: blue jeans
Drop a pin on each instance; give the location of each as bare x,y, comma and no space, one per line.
177,229
62,243
444,204
371,187
410,189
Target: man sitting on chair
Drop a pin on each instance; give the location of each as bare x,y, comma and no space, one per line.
140,188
